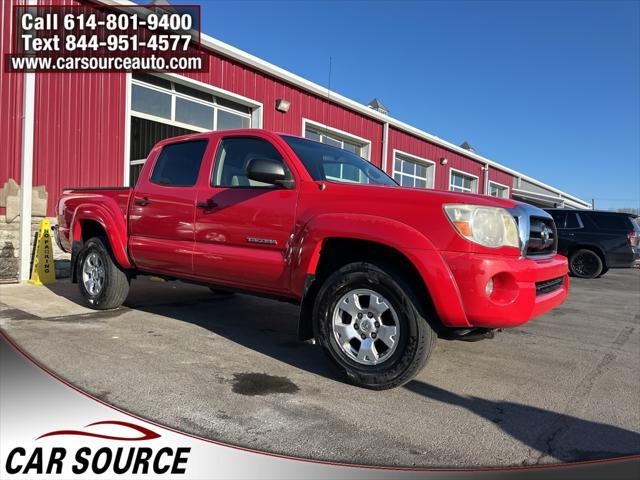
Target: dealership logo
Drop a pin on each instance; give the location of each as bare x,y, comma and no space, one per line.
119,459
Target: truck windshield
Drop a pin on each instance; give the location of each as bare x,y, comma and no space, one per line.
324,162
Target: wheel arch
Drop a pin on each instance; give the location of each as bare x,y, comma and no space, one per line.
588,246
93,220
334,252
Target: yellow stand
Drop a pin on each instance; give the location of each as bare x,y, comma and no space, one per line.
43,270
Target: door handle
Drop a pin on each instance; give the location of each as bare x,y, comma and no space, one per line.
207,204
143,201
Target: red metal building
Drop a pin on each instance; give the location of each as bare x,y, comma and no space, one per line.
93,129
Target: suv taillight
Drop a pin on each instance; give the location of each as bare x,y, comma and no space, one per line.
634,239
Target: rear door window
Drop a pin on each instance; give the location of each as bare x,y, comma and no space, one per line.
178,164
572,221
611,222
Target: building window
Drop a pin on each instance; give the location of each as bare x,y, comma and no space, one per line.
412,171
336,138
498,190
187,106
150,101
462,182
162,108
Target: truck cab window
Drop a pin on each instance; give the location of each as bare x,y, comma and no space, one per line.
232,159
178,164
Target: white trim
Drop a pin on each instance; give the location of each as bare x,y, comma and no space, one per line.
26,170
26,174
541,196
520,191
175,95
198,85
166,121
485,179
366,144
127,130
499,185
415,159
220,92
552,201
273,70
385,147
451,170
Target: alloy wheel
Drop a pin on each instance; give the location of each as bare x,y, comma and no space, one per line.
366,326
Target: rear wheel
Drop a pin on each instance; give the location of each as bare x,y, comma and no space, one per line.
585,263
369,322
103,284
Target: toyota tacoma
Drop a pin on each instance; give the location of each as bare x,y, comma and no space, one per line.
379,271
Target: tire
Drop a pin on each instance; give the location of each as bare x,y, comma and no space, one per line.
604,270
384,366
585,263
103,284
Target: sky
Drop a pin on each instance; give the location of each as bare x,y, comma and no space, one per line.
551,89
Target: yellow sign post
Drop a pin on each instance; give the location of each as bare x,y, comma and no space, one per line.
43,270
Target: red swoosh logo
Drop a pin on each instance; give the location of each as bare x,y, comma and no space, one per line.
146,433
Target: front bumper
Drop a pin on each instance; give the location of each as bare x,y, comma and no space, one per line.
521,288
515,298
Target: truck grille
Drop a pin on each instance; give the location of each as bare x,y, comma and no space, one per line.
549,286
543,238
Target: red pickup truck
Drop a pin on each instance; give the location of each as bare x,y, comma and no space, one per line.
380,271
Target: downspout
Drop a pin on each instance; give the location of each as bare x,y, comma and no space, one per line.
486,179
26,171
385,144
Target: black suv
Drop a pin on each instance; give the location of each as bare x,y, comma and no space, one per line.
595,241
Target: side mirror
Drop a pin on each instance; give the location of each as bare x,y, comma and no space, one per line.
268,171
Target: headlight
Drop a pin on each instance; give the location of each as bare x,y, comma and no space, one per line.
489,226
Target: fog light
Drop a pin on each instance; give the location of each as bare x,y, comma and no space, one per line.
489,288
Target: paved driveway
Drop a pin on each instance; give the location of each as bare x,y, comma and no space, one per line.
564,387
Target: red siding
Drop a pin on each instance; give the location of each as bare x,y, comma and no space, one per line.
80,123
408,143
501,177
243,80
79,131
11,86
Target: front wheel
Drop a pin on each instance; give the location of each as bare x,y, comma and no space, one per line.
369,322
585,263
103,284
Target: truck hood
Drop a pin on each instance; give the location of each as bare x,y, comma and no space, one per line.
405,195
